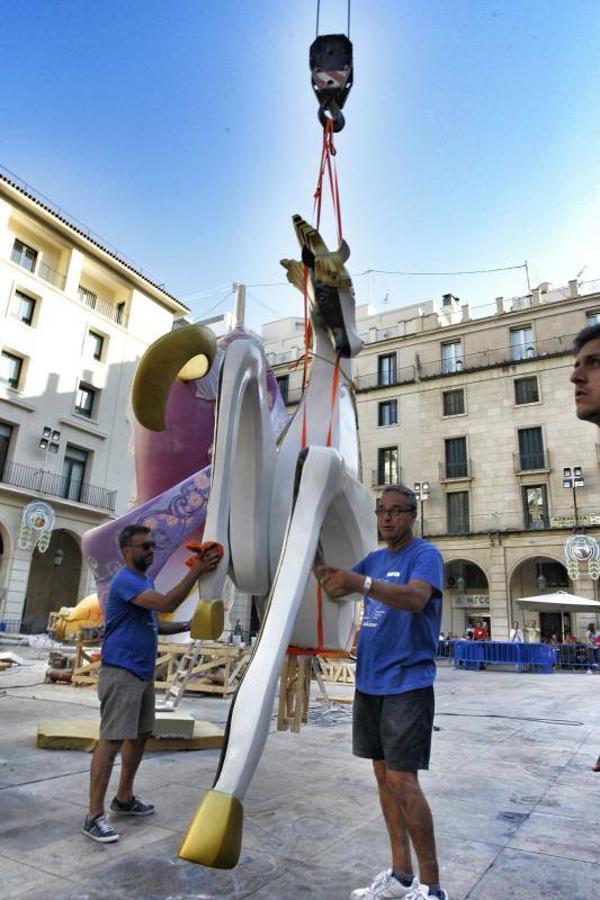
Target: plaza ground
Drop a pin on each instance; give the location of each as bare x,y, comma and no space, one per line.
516,807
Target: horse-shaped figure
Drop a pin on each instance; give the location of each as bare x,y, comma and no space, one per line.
276,507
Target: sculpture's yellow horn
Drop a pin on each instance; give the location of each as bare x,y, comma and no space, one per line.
186,353
214,836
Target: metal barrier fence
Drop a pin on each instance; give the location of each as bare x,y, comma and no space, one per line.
476,655
577,658
445,651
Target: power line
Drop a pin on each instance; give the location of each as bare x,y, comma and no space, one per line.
463,272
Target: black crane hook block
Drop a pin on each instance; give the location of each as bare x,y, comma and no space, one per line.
331,69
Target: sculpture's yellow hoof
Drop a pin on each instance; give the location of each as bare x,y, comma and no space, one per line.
208,621
214,836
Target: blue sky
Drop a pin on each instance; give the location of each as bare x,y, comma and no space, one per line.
185,134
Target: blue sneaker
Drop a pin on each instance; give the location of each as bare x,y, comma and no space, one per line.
136,807
99,830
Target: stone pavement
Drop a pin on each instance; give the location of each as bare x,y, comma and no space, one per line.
516,807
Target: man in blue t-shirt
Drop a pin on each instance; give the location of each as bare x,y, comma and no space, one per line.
126,679
395,671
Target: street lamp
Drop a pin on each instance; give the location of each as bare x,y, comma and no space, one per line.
49,440
421,490
572,480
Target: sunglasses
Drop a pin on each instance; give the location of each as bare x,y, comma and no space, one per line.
146,545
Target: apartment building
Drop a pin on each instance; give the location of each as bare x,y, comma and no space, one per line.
475,409
74,320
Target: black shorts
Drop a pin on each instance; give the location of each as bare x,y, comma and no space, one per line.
395,728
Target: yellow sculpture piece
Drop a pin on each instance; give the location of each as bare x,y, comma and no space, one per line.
185,354
208,620
214,836
71,619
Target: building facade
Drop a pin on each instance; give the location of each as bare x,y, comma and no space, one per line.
474,408
74,321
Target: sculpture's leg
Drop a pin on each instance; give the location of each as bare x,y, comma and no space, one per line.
213,837
240,492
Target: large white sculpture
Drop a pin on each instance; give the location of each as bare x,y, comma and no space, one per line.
274,509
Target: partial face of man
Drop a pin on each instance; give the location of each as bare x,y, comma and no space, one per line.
139,552
395,517
586,378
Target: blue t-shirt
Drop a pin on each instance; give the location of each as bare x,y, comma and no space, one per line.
130,631
397,649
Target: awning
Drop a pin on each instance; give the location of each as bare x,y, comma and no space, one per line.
560,601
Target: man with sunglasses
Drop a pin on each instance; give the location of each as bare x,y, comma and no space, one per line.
395,671
126,679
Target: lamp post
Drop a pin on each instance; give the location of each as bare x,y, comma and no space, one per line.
572,480
49,442
421,490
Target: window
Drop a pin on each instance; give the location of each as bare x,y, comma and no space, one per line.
25,307
531,449
73,473
452,357
120,314
457,508
87,297
284,383
456,457
535,506
386,369
24,256
5,434
11,368
387,412
94,344
453,402
521,343
526,390
387,465
84,404
592,317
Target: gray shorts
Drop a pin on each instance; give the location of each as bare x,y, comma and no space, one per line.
126,704
395,728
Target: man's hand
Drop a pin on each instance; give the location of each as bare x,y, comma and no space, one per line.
206,556
335,582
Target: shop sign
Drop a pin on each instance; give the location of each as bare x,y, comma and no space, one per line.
464,601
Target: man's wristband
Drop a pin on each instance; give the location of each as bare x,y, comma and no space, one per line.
367,585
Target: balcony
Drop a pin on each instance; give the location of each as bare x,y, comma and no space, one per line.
504,356
496,523
114,312
383,479
52,276
373,380
460,470
539,461
37,481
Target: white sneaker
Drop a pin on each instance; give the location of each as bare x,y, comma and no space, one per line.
384,887
421,891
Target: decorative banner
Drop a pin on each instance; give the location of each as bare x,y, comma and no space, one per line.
579,549
37,523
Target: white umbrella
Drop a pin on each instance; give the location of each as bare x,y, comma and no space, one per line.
560,601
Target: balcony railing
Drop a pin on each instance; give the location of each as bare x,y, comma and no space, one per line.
486,523
52,276
113,312
371,380
539,461
504,356
459,469
39,482
381,479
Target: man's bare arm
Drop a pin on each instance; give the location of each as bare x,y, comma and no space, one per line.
169,602
338,583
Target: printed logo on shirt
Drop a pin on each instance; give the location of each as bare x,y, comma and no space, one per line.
392,575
